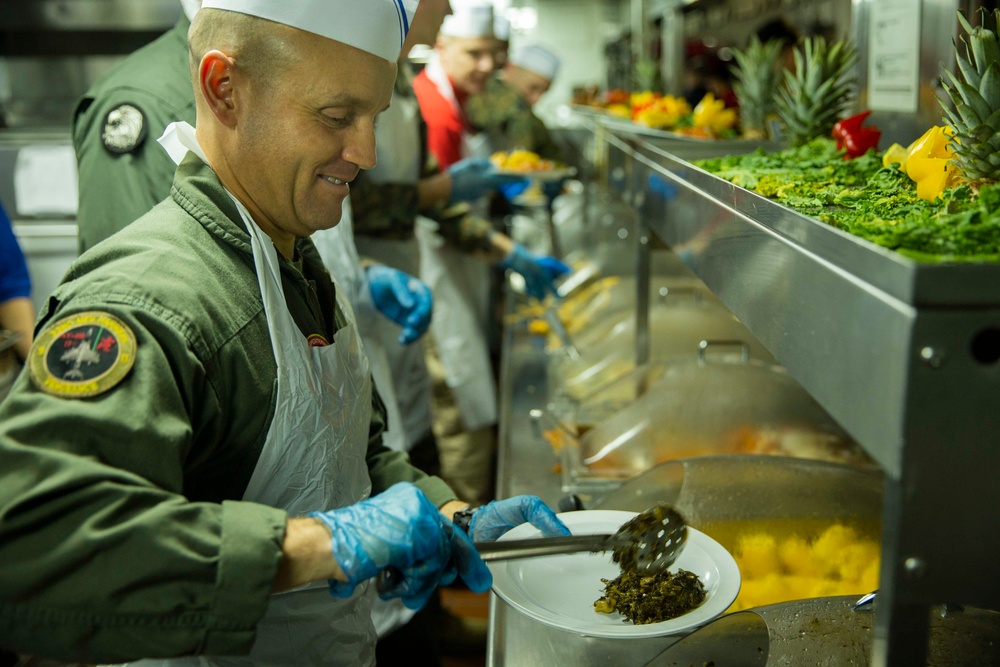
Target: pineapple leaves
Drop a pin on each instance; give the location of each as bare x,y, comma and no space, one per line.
972,107
989,89
818,91
757,79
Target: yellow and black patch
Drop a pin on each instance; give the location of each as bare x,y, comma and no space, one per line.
82,355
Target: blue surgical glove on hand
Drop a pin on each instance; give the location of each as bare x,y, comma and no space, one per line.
401,528
539,272
473,178
403,299
493,520
514,189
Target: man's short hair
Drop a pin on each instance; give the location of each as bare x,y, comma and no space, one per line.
255,44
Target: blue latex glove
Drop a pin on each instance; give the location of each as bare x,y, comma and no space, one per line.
473,178
493,520
401,528
512,190
539,272
403,299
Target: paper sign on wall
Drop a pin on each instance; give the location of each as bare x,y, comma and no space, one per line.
894,55
45,181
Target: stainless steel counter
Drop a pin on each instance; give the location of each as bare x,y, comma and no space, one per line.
526,465
903,354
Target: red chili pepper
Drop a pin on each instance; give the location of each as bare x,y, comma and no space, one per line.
854,139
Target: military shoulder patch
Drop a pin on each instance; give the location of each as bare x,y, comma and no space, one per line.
82,355
125,128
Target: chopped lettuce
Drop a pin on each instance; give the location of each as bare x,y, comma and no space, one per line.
877,203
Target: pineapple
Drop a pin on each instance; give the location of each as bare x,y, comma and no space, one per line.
975,95
756,81
819,90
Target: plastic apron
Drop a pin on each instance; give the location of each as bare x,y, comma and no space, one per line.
313,458
461,290
379,336
337,248
398,152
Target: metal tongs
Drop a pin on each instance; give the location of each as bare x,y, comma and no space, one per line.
552,317
653,538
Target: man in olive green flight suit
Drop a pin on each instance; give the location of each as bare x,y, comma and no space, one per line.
137,451
503,110
123,171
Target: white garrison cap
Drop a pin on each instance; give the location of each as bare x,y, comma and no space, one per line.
190,8
536,58
501,27
376,26
468,19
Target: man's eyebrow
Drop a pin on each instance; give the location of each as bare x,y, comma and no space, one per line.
344,100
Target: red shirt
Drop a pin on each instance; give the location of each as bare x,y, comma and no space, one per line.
445,124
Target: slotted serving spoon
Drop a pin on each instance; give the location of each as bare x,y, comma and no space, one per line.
652,540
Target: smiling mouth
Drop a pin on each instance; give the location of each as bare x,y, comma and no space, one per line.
335,181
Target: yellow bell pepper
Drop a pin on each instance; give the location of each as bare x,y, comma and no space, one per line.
929,163
895,154
713,114
663,112
620,110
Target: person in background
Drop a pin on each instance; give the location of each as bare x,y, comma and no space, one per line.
462,63
17,313
123,173
193,462
501,31
408,208
503,110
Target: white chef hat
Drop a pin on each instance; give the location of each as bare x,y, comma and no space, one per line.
501,27
468,19
376,26
536,58
190,8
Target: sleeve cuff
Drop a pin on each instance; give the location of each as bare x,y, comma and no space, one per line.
251,550
436,490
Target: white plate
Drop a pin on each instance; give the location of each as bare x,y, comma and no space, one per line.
561,590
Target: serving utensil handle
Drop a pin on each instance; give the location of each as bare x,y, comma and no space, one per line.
542,546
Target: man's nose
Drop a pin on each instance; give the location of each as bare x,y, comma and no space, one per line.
360,150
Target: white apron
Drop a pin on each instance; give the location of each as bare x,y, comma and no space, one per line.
380,337
461,290
337,249
313,458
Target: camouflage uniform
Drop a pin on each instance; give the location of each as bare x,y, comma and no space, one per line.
508,120
389,210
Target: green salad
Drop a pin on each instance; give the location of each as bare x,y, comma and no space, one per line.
877,203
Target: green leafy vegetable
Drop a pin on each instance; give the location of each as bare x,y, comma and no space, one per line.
651,598
877,203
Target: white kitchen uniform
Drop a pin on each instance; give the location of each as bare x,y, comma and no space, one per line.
313,459
461,290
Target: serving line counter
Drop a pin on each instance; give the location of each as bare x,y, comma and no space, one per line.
906,357
525,465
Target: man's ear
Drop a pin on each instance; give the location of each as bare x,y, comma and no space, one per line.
215,81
